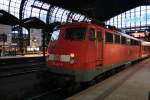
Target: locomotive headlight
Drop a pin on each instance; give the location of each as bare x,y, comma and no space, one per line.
72,55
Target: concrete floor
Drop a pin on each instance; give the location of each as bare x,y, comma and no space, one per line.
131,84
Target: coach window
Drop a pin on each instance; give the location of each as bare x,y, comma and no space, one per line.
99,36
132,42
108,37
91,34
123,40
128,41
117,39
137,42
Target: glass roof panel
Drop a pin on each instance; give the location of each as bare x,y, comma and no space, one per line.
137,17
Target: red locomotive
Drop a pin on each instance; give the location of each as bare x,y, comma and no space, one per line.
83,50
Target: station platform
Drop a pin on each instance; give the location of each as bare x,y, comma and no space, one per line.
132,83
7,61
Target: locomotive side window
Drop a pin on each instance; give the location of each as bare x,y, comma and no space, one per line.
91,34
55,35
99,36
74,34
117,39
123,40
108,37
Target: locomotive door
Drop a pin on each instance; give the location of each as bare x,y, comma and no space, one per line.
99,49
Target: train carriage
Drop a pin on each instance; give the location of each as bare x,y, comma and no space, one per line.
83,51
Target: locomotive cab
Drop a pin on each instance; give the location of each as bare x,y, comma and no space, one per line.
75,49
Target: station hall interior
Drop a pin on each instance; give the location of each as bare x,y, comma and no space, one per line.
44,40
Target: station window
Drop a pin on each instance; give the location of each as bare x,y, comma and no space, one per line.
117,39
99,36
123,40
108,37
91,34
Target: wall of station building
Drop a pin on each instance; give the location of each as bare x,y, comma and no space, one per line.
5,35
9,41
6,44
35,40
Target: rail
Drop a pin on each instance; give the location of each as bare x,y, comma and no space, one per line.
20,66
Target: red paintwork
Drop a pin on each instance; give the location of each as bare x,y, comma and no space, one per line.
118,53
85,50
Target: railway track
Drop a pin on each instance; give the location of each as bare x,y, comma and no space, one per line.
8,68
47,95
20,77
19,71
62,93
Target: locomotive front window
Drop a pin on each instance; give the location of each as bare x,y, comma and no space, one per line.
55,35
74,34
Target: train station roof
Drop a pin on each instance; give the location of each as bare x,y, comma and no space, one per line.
33,22
50,11
99,9
8,19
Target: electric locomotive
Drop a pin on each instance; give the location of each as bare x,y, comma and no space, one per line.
81,51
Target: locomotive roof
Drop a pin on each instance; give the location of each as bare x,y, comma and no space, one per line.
76,23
